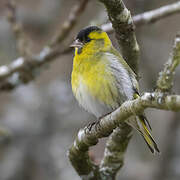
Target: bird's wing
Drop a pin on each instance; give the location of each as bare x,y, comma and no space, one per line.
132,74
125,80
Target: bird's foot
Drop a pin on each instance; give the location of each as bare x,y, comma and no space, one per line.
95,123
90,125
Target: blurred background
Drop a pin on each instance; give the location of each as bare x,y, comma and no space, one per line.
43,117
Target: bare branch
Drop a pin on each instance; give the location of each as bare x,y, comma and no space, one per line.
25,69
149,16
165,80
68,25
157,14
17,28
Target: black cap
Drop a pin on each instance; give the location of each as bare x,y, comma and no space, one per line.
83,34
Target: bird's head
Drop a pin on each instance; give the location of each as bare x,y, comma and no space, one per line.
91,39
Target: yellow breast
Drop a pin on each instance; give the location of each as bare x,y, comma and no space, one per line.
92,72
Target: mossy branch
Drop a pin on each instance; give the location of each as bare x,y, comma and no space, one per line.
116,146
165,80
123,26
118,141
86,138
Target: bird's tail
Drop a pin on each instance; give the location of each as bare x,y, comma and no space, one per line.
144,129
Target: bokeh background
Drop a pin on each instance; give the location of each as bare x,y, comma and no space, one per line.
43,117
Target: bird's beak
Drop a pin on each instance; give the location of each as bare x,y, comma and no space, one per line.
77,44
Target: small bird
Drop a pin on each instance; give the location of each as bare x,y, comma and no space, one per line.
102,80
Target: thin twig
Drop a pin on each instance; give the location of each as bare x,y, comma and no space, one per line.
68,25
17,28
149,16
156,14
165,80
